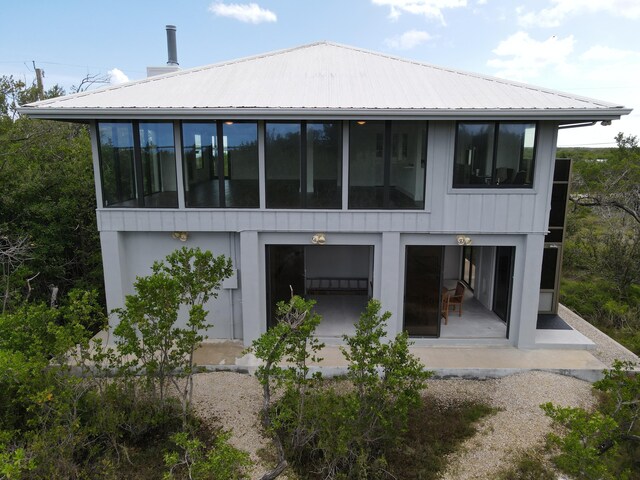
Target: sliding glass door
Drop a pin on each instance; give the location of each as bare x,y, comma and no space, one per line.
503,283
422,290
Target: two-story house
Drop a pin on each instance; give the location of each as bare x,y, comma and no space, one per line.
340,174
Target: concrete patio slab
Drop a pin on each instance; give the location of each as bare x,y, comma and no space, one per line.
464,362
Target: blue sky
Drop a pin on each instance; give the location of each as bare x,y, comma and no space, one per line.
584,47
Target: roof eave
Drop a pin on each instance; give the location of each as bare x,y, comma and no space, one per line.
257,113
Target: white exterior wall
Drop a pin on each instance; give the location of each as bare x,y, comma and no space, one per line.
133,238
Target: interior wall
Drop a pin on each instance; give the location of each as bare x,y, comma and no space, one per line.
485,271
337,261
451,268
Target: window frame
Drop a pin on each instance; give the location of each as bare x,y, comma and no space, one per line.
494,157
220,174
137,162
303,163
387,147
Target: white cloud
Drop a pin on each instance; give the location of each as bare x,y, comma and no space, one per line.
428,8
521,57
600,53
561,9
117,76
407,40
246,12
599,72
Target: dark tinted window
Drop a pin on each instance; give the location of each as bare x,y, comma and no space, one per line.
117,164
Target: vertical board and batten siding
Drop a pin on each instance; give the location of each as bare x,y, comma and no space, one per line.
138,250
447,210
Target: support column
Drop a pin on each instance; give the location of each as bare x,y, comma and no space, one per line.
113,261
390,292
530,273
253,322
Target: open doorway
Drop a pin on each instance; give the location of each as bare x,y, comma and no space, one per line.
485,273
338,277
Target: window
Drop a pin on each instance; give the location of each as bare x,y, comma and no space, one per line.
137,164
387,164
494,154
117,169
157,152
220,164
468,273
303,163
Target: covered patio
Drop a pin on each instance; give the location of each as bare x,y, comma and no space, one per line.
476,321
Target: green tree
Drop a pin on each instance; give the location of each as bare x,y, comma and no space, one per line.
48,197
289,342
602,244
149,332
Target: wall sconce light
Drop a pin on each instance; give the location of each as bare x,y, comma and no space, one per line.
463,241
318,239
182,236
361,122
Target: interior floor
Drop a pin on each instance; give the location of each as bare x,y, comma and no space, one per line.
237,193
476,321
339,313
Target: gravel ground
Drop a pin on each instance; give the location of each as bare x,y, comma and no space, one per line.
234,400
519,425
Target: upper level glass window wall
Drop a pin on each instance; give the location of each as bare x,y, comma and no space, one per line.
157,150
117,169
137,164
303,165
494,155
221,164
387,164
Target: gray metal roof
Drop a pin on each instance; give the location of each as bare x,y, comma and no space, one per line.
323,80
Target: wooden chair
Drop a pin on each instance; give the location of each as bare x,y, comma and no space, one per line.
455,300
444,307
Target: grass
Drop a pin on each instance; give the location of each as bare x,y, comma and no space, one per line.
528,466
435,430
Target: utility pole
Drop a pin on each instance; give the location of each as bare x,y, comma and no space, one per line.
39,75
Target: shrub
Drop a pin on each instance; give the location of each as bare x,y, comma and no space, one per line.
148,332
603,444
338,432
222,461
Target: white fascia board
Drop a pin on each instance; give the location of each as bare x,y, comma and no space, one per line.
587,114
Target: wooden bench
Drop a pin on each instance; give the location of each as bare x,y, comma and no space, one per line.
337,286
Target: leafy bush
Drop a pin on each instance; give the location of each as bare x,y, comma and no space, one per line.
148,332
604,444
222,461
338,429
71,408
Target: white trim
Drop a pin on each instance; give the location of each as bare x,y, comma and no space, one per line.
262,179
177,142
345,165
251,113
